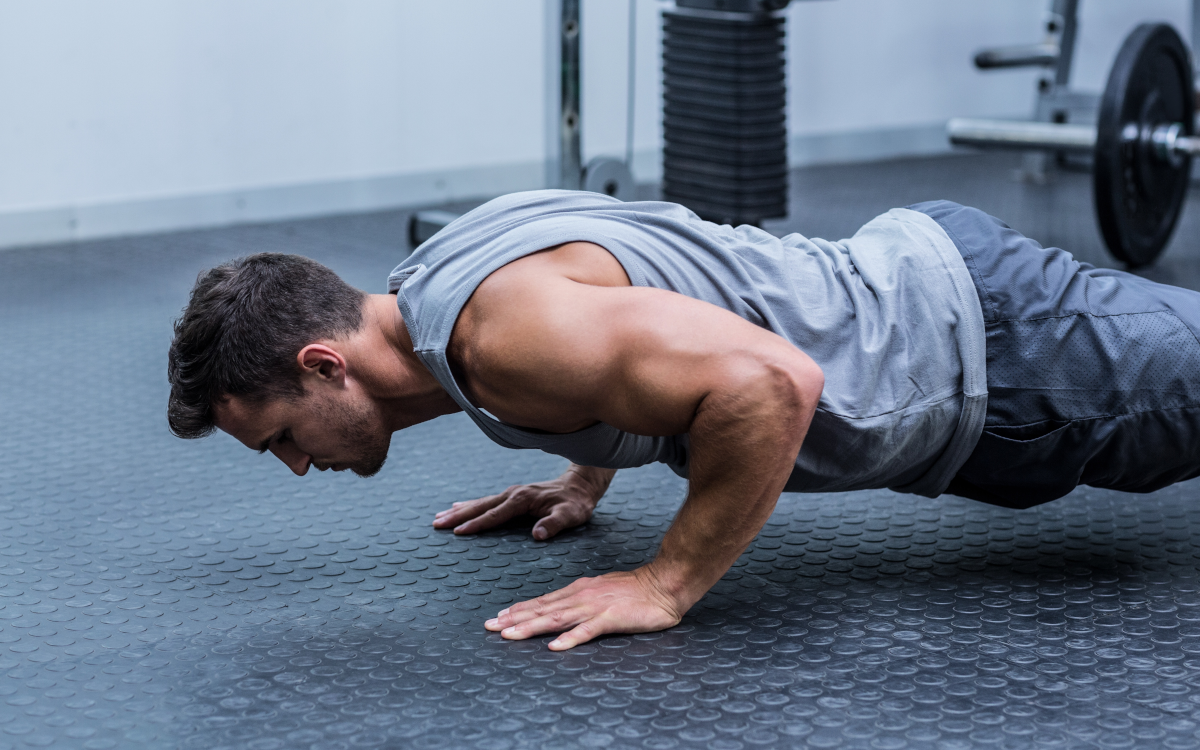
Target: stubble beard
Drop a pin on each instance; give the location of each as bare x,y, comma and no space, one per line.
355,427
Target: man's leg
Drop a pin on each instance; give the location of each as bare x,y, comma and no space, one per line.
1093,374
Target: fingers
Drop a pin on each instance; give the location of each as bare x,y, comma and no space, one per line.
553,622
581,633
460,512
581,621
562,516
505,511
527,610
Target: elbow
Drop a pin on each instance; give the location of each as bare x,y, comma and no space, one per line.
810,380
799,394
798,382
777,392
786,392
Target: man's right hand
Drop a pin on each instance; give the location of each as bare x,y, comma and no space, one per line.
559,504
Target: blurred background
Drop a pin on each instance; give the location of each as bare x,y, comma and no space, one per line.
133,116
162,593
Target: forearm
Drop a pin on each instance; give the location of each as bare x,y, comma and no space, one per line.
744,450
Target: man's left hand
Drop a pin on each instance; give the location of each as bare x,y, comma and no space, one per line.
624,602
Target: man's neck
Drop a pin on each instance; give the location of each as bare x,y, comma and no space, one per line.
406,390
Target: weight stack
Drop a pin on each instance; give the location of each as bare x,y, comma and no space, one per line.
724,117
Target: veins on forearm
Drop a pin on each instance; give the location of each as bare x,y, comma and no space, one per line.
744,447
596,479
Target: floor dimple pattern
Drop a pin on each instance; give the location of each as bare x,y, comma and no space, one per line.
167,594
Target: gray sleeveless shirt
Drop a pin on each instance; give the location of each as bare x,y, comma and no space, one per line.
890,315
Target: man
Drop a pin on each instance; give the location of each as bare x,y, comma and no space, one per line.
935,351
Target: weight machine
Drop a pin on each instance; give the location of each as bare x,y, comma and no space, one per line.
724,118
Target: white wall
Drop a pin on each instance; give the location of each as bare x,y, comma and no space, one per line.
141,115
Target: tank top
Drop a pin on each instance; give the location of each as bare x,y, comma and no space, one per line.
890,315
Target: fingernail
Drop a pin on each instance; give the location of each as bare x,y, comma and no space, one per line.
539,534
508,631
555,644
502,612
491,623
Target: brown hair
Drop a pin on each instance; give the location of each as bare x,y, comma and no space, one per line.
241,330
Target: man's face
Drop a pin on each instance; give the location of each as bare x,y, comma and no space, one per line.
326,430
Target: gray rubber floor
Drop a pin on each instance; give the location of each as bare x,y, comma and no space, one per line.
162,593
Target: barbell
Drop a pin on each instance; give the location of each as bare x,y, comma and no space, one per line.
1142,144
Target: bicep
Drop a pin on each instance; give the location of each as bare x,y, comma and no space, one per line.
640,359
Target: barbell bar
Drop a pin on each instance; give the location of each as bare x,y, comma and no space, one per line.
1168,140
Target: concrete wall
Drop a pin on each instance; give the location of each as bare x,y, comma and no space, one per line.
130,116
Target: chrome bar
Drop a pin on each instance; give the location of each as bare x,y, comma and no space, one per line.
1021,135
1025,55
1188,144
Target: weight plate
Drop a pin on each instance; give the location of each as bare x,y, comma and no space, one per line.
741,172
723,213
737,121
772,74
739,151
611,177
1138,194
678,127
725,155
734,62
736,192
726,90
742,107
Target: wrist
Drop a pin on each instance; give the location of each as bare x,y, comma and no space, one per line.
676,584
592,480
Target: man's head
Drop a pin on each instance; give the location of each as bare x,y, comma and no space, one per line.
259,353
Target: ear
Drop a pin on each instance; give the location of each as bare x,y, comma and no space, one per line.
323,363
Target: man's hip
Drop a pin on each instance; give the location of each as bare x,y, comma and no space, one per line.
1093,374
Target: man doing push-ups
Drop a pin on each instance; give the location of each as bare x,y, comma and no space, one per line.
935,351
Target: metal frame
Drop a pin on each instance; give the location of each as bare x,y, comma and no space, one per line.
564,169
569,125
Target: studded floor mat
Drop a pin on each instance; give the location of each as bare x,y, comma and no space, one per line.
158,593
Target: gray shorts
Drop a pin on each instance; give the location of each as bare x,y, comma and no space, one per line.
1093,375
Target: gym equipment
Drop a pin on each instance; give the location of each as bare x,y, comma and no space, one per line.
601,175
1055,102
1142,143
724,118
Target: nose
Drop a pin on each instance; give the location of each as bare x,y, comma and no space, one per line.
294,458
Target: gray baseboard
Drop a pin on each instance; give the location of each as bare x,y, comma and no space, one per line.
868,145
71,223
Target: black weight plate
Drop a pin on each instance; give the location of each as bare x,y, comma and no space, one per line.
739,172
771,74
727,28
735,39
687,125
742,148
704,185
741,62
726,155
727,50
1138,195
722,213
745,107
757,121
762,90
